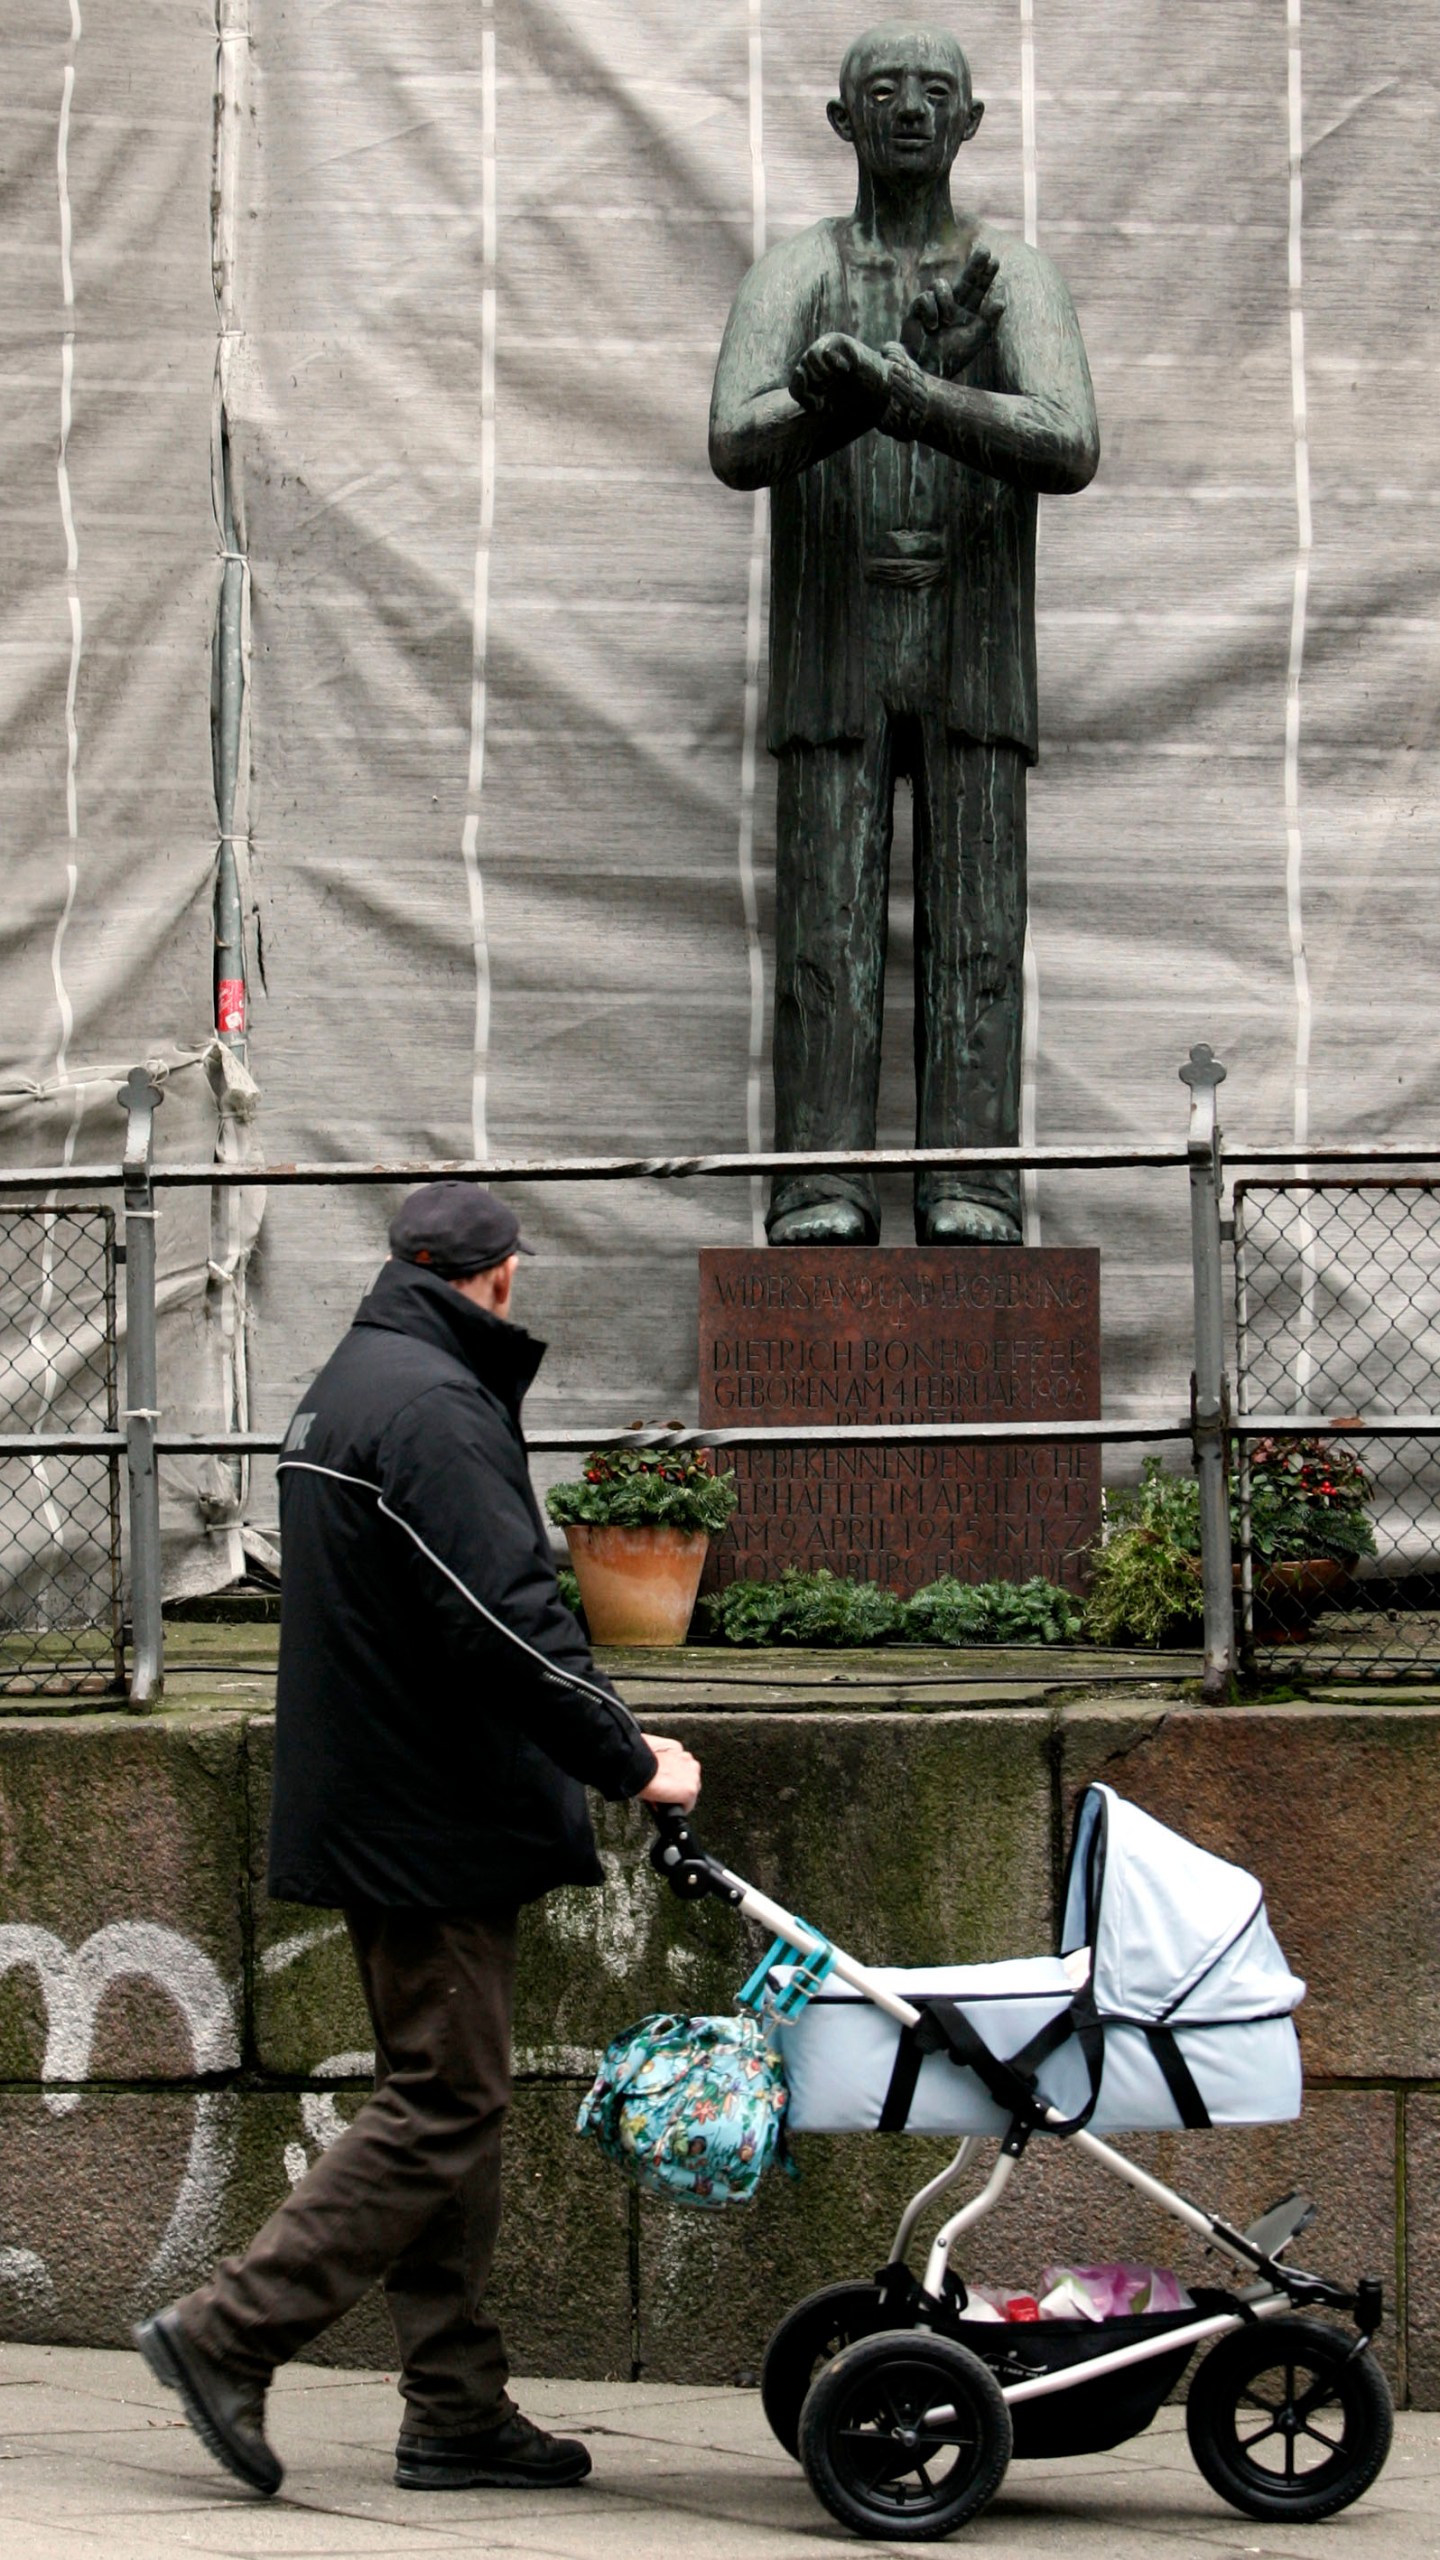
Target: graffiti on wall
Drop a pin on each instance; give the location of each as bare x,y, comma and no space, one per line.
73,1983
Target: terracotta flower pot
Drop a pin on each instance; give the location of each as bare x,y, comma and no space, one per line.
1290,1596
637,1586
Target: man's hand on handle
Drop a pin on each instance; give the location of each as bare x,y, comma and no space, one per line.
677,1779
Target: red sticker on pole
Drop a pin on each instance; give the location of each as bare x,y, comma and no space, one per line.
230,1005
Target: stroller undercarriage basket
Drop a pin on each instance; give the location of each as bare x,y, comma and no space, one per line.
1091,2417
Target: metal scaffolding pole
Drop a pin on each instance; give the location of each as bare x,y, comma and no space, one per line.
1204,1075
140,1099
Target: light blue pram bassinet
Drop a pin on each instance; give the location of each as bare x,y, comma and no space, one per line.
1170,2004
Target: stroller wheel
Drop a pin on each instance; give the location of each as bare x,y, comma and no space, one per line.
1288,2422
806,2339
904,2436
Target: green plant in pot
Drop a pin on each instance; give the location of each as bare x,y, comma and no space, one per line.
638,1523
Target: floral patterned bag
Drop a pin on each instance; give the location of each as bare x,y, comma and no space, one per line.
690,2108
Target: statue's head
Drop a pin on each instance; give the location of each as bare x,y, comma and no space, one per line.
905,100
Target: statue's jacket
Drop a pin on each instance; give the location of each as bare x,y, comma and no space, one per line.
985,664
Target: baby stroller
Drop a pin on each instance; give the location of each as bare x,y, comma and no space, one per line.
1169,2004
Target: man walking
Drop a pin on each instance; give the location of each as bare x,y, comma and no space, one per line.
438,1718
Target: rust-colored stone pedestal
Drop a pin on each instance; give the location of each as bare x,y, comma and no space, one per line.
826,1334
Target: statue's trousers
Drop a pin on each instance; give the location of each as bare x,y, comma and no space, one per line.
834,829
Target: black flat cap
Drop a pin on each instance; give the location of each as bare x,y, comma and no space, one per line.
455,1228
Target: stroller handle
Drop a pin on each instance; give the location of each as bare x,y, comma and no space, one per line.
692,1873
688,1869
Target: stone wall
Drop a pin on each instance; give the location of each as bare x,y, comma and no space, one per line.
173,2048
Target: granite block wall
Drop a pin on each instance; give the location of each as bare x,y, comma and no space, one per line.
174,2048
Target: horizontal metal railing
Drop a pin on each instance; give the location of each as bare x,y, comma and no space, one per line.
320,1174
99,1177
1345,1426
881,1435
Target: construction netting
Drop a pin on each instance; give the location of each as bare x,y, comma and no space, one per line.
413,307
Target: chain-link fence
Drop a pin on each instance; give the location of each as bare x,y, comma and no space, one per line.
60,1589
1338,1314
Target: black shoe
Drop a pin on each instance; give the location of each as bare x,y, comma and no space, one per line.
514,2455
226,2410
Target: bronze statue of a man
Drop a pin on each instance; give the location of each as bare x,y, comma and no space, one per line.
907,380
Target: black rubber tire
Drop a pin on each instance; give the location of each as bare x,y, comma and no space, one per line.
867,2455
806,2339
1332,2413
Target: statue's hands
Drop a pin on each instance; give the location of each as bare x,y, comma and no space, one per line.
907,403
841,373
945,329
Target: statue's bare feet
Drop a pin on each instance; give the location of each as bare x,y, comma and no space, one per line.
822,1222
966,1222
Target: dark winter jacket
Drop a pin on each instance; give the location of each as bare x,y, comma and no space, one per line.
438,1716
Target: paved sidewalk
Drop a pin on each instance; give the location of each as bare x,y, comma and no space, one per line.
95,2464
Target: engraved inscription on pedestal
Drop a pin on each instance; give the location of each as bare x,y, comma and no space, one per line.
844,1336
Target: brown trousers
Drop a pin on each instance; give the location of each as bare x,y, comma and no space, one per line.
411,2191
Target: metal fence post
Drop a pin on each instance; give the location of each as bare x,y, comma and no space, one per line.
1204,1075
142,1391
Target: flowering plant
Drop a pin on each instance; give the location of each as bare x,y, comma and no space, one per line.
1307,1499
646,1489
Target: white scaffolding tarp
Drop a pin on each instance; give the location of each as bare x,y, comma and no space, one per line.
510,830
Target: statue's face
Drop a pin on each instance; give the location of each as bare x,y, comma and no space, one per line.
906,103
